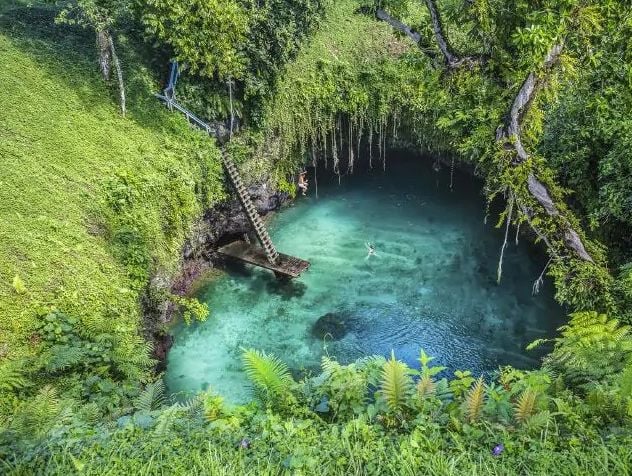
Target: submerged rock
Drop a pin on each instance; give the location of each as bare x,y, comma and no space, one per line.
331,325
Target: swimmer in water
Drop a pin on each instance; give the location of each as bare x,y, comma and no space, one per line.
370,248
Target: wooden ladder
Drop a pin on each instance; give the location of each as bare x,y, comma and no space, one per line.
251,212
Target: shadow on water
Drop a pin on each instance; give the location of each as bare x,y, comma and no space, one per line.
431,285
285,288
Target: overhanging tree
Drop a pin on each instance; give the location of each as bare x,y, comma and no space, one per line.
537,42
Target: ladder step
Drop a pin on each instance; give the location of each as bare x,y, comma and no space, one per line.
250,209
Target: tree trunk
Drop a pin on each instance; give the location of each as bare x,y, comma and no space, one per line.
105,55
119,75
510,135
451,60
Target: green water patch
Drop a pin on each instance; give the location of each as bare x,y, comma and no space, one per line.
430,284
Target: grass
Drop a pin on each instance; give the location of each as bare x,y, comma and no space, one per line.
91,203
318,451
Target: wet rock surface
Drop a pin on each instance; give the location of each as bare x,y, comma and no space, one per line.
221,224
332,325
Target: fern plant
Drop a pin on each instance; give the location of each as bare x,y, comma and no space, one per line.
269,375
591,348
11,376
345,387
474,401
152,398
525,406
396,385
36,416
426,387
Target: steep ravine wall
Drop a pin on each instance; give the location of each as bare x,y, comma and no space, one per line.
218,225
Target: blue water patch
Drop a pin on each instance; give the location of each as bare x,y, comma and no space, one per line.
431,283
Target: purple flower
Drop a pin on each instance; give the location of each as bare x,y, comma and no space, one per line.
498,449
244,444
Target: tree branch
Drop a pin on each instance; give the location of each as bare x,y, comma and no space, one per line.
437,28
398,25
510,134
451,60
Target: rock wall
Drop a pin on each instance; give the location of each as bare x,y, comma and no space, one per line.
219,225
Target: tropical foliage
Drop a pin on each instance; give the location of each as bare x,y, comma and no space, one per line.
96,208
497,425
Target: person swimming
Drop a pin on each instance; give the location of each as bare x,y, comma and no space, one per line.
370,248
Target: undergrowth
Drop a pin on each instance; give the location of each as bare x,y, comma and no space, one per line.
375,416
92,204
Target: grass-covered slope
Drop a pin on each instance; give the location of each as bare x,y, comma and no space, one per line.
91,203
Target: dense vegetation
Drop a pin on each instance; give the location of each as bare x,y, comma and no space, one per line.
95,207
92,205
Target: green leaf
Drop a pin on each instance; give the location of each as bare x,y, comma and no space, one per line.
269,375
396,385
18,285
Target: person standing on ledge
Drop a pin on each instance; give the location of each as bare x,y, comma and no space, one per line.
302,182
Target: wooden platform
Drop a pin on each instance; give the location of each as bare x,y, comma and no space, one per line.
287,266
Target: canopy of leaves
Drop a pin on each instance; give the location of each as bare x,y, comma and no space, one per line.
207,35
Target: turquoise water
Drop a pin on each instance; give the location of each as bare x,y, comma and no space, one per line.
432,284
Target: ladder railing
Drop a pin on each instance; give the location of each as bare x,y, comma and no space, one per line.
242,193
251,212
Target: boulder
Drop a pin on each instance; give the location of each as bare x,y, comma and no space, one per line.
331,325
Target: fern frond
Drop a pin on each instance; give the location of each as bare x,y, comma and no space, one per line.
64,357
525,406
537,343
591,348
442,391
474,400
195,406
37,415
426,387
90,413
12,377
152,398
269,375
625,382
538,421
370,361
167,417
396,384
329,366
